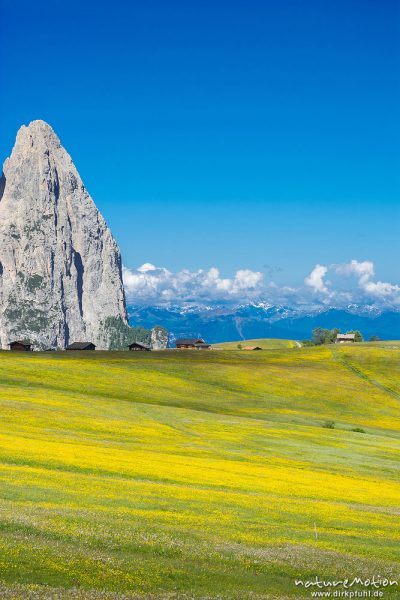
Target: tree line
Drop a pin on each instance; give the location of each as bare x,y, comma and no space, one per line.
322,336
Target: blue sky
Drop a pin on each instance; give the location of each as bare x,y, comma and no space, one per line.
259,135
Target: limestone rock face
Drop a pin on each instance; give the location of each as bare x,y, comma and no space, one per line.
60,267
159,338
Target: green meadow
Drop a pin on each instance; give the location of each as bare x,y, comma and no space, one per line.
198,474
264,343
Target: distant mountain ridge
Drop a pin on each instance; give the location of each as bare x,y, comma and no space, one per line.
262,320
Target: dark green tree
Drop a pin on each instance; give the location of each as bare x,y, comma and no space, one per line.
318,336
120,335
358,335
324,336
332,336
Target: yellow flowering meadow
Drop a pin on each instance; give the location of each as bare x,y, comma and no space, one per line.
224,474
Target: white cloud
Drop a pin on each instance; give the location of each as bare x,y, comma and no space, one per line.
151,284
382,289
353,282
315,280
245,279
364,271
147,267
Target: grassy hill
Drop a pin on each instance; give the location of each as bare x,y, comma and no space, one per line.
198,474
264,343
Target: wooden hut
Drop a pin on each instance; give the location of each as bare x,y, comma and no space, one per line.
345,338
81,346
137,347
192,343
21,346
202,346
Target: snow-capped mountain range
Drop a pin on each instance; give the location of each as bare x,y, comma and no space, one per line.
218,323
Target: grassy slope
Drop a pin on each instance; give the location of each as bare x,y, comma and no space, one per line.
265,344
197,472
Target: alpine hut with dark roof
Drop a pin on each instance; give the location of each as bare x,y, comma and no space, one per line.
21,346
192,344
252,348
81,346
137,347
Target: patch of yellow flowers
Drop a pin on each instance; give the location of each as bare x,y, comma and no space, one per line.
106,471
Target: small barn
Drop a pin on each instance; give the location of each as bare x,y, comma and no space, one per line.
252,348
345,338
21,346
81,346
192,343
137,347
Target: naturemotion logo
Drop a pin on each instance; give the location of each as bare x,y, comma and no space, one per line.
347,588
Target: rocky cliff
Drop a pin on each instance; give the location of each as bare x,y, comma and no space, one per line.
60,267
158,338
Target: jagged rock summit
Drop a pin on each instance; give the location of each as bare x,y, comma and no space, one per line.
158,338
60,267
